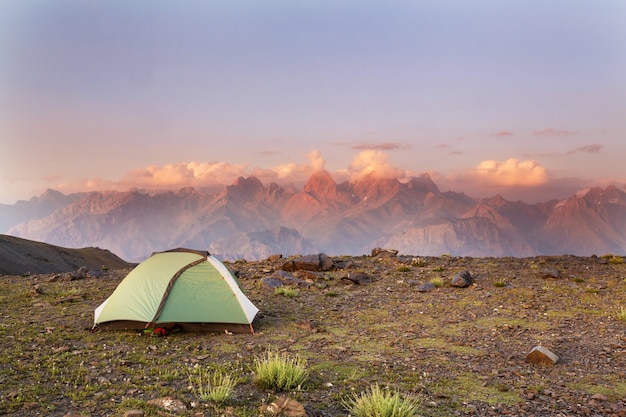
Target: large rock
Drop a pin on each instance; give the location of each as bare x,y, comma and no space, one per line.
550,273
541,355
358,279
380,252
319,262
462,280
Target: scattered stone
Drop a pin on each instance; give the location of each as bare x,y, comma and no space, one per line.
462,280
134,413
61,349
287,279
550,273
285,406
358,279
82,272
308,275
66,277
35,290
426,287
169,404
309,325
319,262
72,414
541,355
275,257
386,253
599,397
343,263
271,283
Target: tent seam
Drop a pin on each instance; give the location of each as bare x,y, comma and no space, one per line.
170,284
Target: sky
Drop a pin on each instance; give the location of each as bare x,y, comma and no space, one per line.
526,99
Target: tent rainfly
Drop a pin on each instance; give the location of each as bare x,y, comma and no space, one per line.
181,287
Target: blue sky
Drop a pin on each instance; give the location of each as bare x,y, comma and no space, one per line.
522,98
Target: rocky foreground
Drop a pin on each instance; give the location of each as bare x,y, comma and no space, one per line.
456,332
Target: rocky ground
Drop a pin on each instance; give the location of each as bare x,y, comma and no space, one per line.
389,319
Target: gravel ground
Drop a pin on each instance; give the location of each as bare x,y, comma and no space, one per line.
366,320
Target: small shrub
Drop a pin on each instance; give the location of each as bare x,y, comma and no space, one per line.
215,385
404,268
437,281
418,262
500,284
621,313
280,372
377,402
287,292
439,268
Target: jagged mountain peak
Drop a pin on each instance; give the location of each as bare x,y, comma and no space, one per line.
423,183
187,192
245,188
343,219
320,183
610,194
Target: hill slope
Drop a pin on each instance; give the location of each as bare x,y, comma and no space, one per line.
19,256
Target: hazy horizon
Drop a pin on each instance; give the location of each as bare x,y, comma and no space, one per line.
523,99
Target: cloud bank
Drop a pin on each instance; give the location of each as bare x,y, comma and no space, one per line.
514,179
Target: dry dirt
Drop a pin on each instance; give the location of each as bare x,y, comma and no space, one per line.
460,350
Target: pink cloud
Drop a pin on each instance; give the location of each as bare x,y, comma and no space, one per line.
550,132
514,179
382,146
502,133
373,162
511,173
593,148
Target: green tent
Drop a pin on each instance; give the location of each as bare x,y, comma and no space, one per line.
182,287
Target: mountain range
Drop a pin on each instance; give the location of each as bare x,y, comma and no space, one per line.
249,220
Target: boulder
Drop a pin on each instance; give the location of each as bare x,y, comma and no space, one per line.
287,279
358,279
319,262
426,287
541,355
388,253
462,280
271,283
274,257
550,273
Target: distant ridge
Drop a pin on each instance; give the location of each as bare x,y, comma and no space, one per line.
249,220
21,256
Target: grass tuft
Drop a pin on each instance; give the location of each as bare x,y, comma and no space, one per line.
280,372
437,282
621,313
212,385
377,402
613,259
287,292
